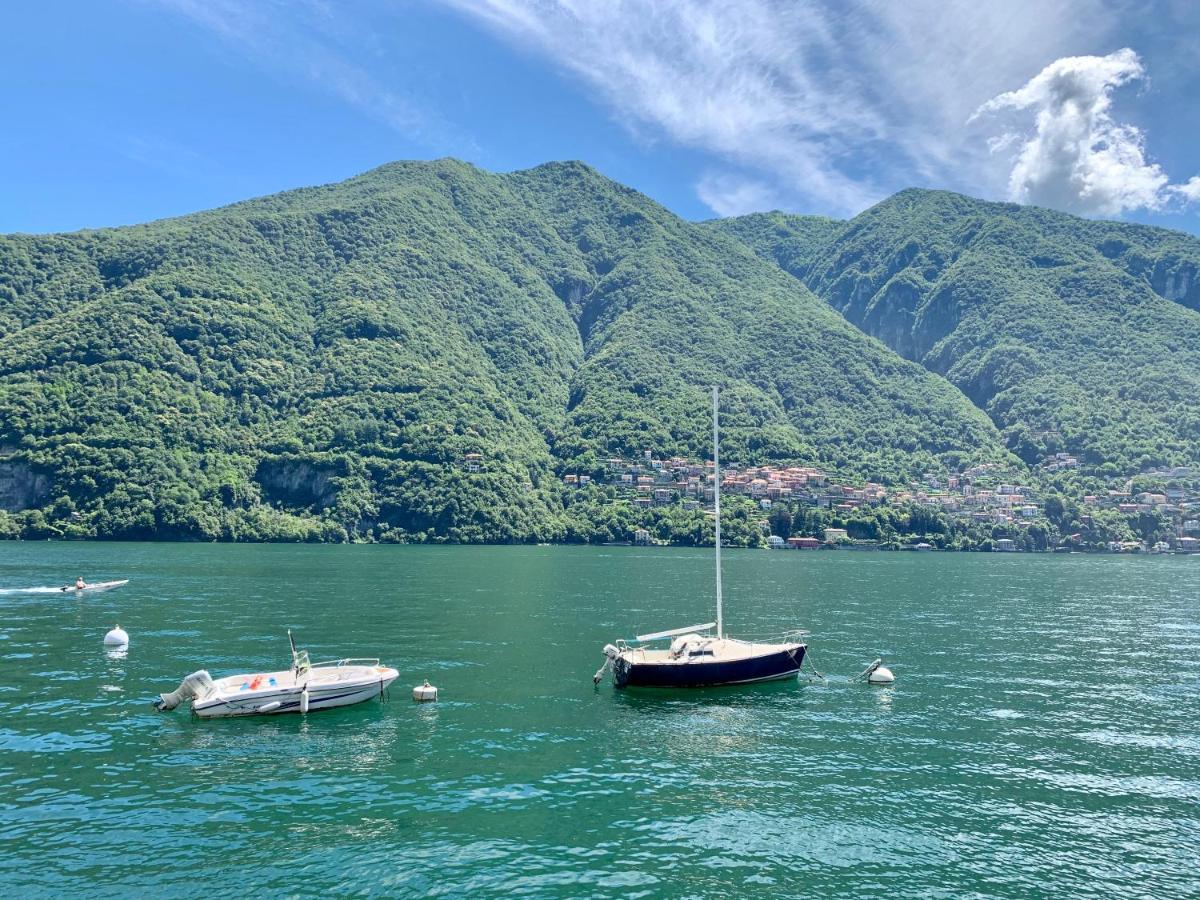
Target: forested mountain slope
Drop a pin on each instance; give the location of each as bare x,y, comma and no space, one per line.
786,239
1073,335
320,363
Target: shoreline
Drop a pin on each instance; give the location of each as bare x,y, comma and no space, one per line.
647,546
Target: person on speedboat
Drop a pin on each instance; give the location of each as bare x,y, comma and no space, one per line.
79,585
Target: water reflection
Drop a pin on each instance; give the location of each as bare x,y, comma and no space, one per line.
674,701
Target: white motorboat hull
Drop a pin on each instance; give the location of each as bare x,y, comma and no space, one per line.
350,687
94,588
305,687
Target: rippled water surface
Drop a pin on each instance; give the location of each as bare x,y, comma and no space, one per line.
1042,738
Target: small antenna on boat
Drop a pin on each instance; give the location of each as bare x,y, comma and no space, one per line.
293,643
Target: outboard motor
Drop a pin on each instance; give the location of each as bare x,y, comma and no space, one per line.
196,686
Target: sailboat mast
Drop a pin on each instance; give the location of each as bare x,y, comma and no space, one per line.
717,510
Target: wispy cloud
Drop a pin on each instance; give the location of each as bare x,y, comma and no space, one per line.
1078,157
158,152
313,42
816,105
823,104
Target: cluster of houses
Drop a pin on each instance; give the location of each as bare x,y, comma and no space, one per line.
977,494
1178,502
1187,540
966,496
1060,461
661,482
1174,502
832,537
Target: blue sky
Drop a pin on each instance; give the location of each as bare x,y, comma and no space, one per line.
131,110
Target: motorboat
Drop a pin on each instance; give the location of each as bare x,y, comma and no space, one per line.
94,587
696,657
305,687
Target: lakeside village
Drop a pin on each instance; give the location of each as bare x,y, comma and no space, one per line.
802,508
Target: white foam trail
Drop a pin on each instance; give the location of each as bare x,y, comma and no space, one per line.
32,590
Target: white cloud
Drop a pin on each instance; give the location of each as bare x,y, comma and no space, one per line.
829,105
1190,190
815,105
733,195
1078,157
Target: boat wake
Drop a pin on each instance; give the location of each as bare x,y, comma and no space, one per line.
93,588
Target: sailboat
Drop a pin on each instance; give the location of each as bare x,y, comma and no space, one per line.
697,657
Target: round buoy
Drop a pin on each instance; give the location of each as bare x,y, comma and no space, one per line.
424,693
116,638
877,673
881,675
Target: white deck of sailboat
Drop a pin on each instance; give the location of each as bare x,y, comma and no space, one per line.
708,650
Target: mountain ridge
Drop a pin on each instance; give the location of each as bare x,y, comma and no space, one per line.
1072,334
318,363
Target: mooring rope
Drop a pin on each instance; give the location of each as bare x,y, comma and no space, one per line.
808,659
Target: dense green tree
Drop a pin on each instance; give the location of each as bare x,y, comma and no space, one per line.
780,521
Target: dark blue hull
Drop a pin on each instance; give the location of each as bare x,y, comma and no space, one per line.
781,664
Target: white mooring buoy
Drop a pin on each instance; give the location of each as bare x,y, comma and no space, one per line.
882,675
424,693
878,673
118,637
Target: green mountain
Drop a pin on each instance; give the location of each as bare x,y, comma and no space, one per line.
1073,335
325,363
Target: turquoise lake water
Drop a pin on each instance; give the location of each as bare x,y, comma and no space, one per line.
1042,737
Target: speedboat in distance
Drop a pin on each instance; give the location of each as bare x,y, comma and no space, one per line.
94,587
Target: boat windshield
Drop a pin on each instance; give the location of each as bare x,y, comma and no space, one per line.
300,663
